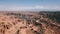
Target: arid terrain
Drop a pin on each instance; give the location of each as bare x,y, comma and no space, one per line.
29,23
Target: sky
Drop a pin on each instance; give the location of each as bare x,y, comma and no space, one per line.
29,5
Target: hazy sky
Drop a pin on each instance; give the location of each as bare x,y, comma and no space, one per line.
23,5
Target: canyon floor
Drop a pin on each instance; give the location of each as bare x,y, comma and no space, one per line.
29,23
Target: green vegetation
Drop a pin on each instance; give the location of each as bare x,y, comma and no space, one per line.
54,15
